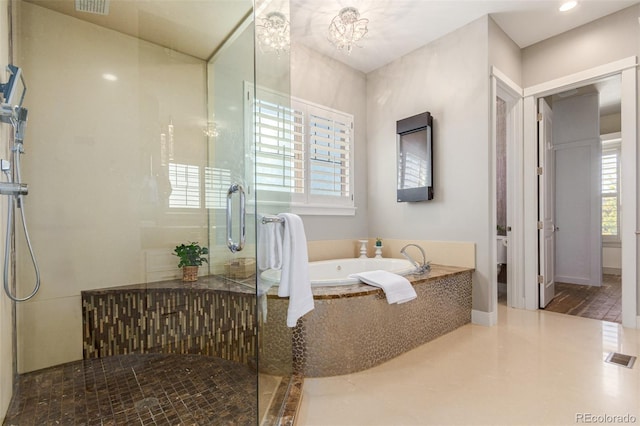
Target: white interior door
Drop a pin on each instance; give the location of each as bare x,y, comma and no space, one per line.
576,141
546,212
578,236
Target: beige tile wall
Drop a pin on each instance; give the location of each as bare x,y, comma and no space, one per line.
6,323
452,253
98,183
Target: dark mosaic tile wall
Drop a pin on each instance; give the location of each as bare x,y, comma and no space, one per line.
178,319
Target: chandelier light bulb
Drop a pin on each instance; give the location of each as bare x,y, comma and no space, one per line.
346,29
273,34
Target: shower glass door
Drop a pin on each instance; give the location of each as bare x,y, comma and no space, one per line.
249,142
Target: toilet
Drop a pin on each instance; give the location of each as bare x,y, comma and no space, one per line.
501,250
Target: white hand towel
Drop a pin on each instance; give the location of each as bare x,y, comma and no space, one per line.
270,245
397,288
294,277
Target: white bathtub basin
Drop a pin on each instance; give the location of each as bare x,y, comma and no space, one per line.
336,272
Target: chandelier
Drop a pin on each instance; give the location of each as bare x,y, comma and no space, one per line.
346,29
273,33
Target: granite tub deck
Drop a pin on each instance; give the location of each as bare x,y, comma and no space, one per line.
353,328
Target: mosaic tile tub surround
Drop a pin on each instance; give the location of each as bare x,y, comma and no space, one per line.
353,328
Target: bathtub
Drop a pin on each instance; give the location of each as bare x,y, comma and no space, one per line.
353,327
336,272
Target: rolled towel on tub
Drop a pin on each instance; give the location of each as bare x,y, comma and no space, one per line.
397,288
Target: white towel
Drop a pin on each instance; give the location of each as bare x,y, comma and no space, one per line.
397,288
294,277
270,245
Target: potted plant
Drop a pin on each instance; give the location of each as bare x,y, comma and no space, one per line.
191,257
378,242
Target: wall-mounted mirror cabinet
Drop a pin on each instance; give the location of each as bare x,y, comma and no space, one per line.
415,158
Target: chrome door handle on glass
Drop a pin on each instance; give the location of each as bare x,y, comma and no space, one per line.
230,243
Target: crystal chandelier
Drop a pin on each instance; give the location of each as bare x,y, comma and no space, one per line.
273,33
346,29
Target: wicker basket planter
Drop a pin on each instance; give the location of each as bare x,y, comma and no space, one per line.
189,273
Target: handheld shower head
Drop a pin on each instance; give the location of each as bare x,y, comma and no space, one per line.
20,124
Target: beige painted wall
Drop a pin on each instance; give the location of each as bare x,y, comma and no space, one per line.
504,53
98,182
448,77
605,40
323,80
6,317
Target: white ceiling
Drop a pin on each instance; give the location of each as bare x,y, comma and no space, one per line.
396,27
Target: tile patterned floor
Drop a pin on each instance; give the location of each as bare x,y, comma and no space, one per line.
151,389
601,303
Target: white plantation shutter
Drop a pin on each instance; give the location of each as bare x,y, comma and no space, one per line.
610,191
280,149
185,186
216,184
303,153
330,139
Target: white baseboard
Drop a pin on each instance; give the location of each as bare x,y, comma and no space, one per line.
572,280
612,271
484,318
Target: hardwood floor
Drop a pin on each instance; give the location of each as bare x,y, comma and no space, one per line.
602,303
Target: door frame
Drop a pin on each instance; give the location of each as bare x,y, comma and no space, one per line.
626,68
511,93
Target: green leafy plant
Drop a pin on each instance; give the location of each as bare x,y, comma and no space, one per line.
378,242
191,254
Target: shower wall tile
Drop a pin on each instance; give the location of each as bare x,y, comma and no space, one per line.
6,311
332,249
97,176
58,341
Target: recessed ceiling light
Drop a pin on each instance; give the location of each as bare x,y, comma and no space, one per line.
109,77
568,5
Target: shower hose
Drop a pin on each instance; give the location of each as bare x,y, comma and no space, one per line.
7,247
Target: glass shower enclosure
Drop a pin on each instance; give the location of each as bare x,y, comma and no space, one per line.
134,147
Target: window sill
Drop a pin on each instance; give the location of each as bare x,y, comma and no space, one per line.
309,209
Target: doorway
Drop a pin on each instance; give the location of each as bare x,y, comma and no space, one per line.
508,226
579,205
532,278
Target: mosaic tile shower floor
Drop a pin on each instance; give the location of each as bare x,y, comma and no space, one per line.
150,389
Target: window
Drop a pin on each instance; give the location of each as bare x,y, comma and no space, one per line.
610,189
186,190
303,154
216,184
185,186
280,150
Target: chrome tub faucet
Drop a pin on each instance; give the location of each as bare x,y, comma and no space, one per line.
420,268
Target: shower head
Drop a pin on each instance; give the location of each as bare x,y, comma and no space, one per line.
10,88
